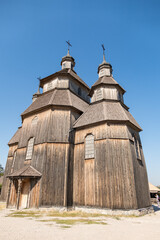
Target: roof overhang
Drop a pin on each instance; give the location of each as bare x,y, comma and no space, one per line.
106,84
65,72
25,172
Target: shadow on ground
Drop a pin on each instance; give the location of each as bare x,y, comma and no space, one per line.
156,208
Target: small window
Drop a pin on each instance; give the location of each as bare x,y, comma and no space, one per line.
14,158
89,146
137,147
49,87
34,120
30,148
99,94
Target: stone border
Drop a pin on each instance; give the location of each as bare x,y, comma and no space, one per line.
116,212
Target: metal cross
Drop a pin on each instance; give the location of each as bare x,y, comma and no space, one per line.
69,45
103,49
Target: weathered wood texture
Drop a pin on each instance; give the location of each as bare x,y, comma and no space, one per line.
8,168
108,92
110,179
13,193
52,156
141,179
52,126
115,178
34,193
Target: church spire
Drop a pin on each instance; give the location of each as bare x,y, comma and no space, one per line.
104,69
68,61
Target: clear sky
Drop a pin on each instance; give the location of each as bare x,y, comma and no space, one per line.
32,43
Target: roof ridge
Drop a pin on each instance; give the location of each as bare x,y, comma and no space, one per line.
129,119
73,74
52,97
35,169
25,168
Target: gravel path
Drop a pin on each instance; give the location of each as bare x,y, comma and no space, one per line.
136,228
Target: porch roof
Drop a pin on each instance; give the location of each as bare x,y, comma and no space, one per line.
27,171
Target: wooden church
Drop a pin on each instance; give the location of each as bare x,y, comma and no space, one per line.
77,146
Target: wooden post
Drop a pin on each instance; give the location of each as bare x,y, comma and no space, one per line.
8,194
19,191
66,176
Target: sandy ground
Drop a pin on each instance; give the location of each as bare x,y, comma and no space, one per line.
146,227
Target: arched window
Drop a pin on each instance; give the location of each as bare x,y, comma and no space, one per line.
34,120
30,148
89,146
137,148
14,158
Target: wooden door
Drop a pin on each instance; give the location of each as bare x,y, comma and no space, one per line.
24,194
89,183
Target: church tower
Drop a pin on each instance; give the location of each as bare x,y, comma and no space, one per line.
108,158
39,167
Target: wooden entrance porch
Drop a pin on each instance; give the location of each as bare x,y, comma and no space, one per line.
24,187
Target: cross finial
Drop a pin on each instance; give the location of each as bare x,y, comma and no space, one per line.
103,53
69,45
39,78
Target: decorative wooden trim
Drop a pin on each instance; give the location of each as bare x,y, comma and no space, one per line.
19,191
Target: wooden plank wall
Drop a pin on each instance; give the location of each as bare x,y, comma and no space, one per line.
8,166
34,193
89,176
140,172
53,175
52,151
113,172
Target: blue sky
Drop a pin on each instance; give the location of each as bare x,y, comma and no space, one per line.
32,43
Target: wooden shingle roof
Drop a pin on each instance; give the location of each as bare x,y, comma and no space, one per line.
15,138
105,111
27,171
106,81
57,97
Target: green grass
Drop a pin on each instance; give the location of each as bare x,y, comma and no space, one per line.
22,214
70,222
65,214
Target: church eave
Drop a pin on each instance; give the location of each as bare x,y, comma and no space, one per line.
15,139
106,111
50,106
105,84
120,122
56,97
